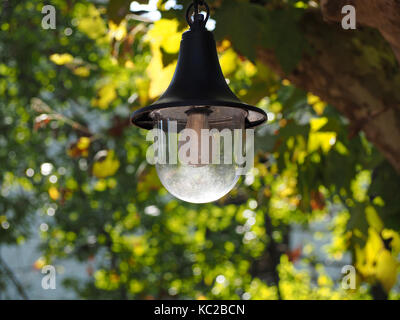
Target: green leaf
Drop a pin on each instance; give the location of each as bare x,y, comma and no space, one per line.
247,23
284,35
242,23
168,58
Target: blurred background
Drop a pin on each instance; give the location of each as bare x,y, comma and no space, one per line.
77,193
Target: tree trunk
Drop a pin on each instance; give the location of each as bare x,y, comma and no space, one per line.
355,70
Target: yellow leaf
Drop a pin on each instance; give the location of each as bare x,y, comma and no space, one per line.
318,123
316,103
324,280
54,193
224,45
107,166
91,22
118,32
81,71
39,263
106,95
373,219
160,77
83,143
319,107
249,68
61,59
101,185
323,140
395,240
373,247
311,99
374,262
341,148
129,64
172,43
386,270
165,34
135,286
228,61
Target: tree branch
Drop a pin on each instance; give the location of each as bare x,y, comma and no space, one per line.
356,72
13,278
383,15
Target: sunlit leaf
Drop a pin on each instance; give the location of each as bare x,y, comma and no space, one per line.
107,166
61,59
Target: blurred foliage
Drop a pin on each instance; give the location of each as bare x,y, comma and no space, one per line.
70,159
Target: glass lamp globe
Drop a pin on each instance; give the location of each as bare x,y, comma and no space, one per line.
212,171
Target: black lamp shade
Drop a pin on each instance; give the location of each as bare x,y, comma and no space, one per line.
198,81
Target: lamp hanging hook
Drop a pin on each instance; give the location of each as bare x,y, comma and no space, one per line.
197,17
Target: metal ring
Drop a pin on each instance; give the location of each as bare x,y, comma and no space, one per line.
189,22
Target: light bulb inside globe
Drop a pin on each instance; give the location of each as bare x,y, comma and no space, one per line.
197,120
210,170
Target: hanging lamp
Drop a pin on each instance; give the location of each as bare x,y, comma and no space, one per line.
198,98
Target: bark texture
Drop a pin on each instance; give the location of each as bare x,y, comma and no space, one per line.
383,15
355,70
